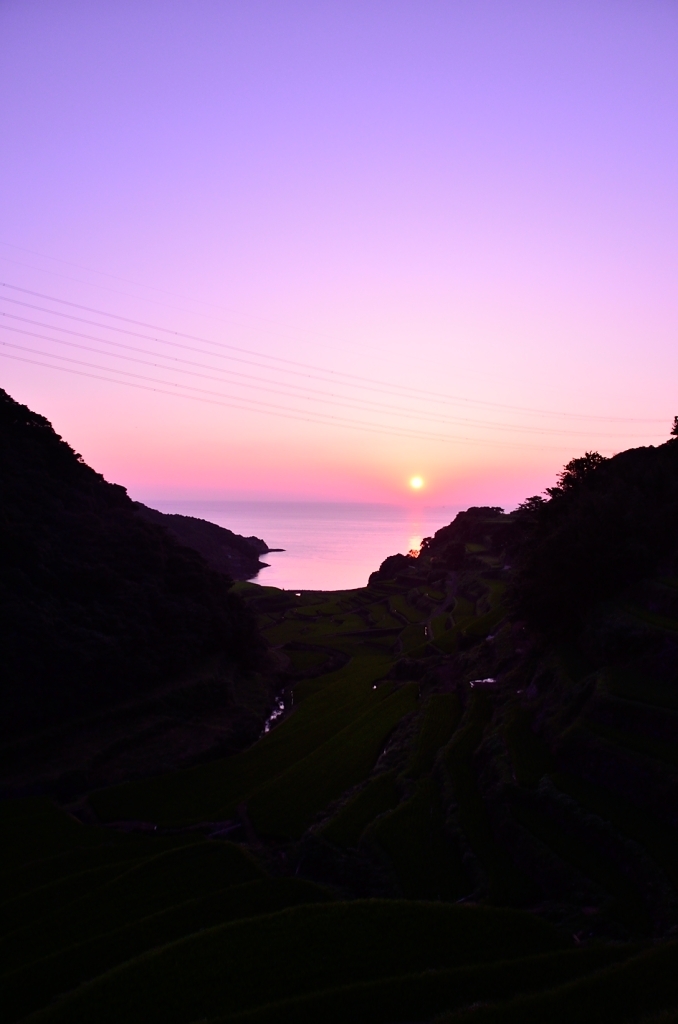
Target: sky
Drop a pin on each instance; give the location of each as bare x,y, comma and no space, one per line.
309,250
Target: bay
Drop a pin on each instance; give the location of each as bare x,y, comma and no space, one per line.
328,545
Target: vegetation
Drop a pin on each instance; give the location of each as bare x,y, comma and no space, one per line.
257,960
609,524
109,626
346,827
223,550
467,811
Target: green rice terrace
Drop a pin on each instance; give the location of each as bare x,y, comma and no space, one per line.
463,806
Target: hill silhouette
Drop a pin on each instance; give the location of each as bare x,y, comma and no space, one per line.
102,608
464,809
223,550
607,526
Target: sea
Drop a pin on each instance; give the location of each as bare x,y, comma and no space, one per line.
327,545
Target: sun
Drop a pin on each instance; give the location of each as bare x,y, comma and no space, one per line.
416,482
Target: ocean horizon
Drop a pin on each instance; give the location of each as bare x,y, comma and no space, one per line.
328,545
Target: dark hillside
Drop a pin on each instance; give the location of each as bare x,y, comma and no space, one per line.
465,807
603,531
100,607
222,549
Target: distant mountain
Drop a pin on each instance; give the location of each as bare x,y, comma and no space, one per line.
114,636
223,550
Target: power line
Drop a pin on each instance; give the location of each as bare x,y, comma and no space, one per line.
334,421
135,284
252,403
307,394
356,380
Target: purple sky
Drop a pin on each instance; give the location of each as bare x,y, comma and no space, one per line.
456,222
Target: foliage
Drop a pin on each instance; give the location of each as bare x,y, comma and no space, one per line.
212,791
346,827
426,863
507,884
412,996
575,472
249,962
97,605
615,995
531,764
442,715
37,981
287,804
607,527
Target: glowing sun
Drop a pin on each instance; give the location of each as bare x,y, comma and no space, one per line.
416,482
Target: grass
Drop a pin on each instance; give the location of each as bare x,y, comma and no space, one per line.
34,832
35,984
427,866
420,996
617,994
351,681
647,746
663,623
308,661
442,714
303,625
465,623
347,826
49,898
530,757
628,904
497,589
399,604
288,804
448,642
484,624
235,966
50,870
179,929
464,610
150,886
440,625
658,838
324,707
50,858
413,636
381,618
629,685
507,884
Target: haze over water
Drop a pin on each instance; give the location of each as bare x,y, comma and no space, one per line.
328,545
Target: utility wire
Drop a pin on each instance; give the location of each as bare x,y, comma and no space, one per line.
356,381
306,394
262,407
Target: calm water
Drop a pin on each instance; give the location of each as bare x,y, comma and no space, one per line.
328,546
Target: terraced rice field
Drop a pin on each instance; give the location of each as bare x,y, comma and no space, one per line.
440,826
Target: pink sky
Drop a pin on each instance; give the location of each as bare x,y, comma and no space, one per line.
438,238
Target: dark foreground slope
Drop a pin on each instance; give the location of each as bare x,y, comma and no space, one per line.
467,810
102,610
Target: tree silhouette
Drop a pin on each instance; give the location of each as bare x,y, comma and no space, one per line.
532,504
674,428
575,471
